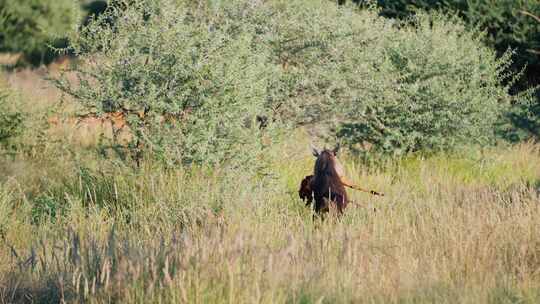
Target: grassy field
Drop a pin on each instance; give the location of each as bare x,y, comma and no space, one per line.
459,228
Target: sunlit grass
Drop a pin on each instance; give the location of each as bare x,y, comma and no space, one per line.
458,227
450,229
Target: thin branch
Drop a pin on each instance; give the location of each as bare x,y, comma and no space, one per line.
531,15
537,52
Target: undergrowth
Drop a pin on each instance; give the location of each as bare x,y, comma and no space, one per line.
450,228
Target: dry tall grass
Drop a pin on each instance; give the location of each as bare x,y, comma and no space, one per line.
462,228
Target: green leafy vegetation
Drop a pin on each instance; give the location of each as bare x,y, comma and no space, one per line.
32,27
189,84
508,24
431,86
210,92
192,81
11,120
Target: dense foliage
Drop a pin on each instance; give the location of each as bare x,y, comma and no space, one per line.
10,120
429,85
31,27
189,83
193,81
509,24
213,82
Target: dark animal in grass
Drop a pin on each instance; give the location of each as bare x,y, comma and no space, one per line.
305,192
327,184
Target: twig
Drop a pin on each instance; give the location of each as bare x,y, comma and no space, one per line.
530,15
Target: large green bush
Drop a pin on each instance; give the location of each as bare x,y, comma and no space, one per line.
195,79
432,86
429,85
31,27
509,25
506,22
11,121
190,81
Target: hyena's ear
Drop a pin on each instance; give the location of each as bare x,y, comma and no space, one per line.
315,151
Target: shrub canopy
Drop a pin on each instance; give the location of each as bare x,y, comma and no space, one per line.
31,27
508,24
191,81
208,82
11,120
428,85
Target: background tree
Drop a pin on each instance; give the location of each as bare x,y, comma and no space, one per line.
507,28
191,79
11,120
190,83
31,27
